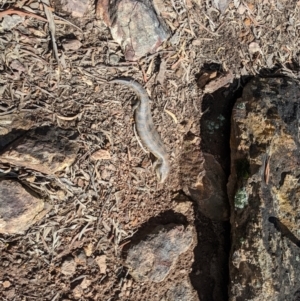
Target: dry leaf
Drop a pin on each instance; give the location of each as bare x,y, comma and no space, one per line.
254,48
101,261
68,267
85,283
6,284
161,73
100,154
88,250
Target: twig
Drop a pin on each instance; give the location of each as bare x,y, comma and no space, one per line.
14,11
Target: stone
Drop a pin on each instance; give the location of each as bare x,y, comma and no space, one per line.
182,291
134,25
20,207
153,257
210,193
77,8
264,192
45,149
206,183
13,126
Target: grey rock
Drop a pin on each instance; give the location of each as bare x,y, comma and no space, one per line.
153,258
182,291
135,26
20,207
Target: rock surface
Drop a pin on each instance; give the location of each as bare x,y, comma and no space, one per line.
210,192
264,192
205,183
134,25
181,291
13,126
19,207
45,149
153,258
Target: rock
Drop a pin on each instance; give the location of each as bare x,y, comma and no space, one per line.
264,192
135,26
210,193
20,208
45,149
204,180
71,44
153,258
182,291
77,8
13,126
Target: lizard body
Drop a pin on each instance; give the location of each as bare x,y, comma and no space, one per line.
146,129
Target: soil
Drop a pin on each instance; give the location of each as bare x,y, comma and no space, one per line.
99,205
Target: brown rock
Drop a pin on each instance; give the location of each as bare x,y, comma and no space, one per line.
153,258
204,181
210,190
44,149
19,207
77,8
264,191
134,25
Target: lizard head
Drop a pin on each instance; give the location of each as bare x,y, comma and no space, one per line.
162,171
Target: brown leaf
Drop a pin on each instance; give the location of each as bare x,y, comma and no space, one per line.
100,154
101,261
161,73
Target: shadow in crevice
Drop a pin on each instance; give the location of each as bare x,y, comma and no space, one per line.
284,230
10,137
210,274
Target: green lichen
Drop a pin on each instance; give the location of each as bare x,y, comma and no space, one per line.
241,198
241,106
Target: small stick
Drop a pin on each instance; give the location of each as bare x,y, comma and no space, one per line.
13,11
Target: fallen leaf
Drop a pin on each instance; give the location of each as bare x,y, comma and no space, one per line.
254,48
88,250
161,73
68,267
100,154
101,261
6,284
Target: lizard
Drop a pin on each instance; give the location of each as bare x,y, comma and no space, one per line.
146,129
